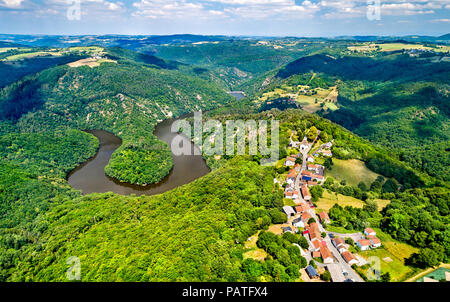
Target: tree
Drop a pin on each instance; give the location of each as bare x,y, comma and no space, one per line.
386,277
390,186
303,242
312,133
328,164
277,216
362,186
424,258
316,193
311,220
371,206
326,276
293,271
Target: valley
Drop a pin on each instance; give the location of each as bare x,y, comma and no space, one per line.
373,115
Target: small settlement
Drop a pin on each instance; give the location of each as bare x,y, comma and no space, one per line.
302,175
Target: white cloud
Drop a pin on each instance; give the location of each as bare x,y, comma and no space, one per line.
248,9
12,3
441,20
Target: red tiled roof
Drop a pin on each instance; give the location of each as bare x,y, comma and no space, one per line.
338,241
323,216
325,252
364,242
317,244
315,254
375,241
305,172
348,256
305,191
305,217
369,230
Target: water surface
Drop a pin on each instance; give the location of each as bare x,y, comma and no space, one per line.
90,177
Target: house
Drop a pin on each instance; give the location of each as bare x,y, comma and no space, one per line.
363,244
349,258
324,218
302,207
287,230
298,222
328,145
339,243
326,255
306,217
289,194
375,242
315,254
312,273
312,183
317,244
290,180
290,161
315,168
310,159
369,232
289,211
325,152
317,177
304,146
295,194
314,232
305,193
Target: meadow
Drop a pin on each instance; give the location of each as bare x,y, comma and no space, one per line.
353,171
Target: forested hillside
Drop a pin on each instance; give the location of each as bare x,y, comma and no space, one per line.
126,98
392,99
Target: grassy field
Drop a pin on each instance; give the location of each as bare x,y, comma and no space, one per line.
397,252
27,55
253,251
308,102
353,171
400,46
329,199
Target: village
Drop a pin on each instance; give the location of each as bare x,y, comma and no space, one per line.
330,251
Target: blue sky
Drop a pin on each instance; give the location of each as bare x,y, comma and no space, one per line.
228,17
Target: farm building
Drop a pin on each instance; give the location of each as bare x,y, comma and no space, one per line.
289,211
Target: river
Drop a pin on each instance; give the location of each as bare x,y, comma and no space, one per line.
90,176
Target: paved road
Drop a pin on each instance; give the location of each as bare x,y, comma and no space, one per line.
340,261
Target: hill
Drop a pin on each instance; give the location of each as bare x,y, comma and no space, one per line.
392,99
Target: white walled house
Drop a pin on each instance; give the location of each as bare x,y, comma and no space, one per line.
364,244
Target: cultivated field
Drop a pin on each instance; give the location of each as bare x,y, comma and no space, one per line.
89,62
